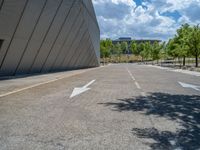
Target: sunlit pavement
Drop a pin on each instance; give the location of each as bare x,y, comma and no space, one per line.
124,106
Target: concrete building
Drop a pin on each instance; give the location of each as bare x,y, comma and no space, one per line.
138,41
123,39
38,36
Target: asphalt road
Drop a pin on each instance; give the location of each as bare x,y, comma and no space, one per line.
127,107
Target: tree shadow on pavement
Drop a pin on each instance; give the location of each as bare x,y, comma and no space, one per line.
184,109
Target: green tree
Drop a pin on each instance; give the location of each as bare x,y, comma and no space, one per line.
105,48
134,48
118,50
144,51
181,39
194,43
171,48
108,44
163,52
124,47
104,52
185,43
148,50
156,50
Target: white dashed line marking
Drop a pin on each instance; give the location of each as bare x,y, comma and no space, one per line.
133,78
130,74
137,85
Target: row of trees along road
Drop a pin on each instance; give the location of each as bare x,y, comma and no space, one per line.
185,44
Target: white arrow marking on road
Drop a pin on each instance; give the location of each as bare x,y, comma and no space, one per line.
80,90
185,85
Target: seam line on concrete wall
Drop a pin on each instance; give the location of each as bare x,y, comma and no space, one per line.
75,48
70,62
62,26
93,63
80,40
76,31
89,48
86,56
91,56
1,5
94,19
87,12
82,23
38,51
28,42
78,50
72,53
90,59
59,51
79,55
22,13
93,49
1,43
82,48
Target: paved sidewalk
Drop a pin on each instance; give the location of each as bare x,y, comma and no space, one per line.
13,85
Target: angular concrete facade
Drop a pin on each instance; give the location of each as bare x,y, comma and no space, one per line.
38,36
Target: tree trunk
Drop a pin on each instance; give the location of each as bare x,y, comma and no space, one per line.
175,62
184,61
197,61
179,61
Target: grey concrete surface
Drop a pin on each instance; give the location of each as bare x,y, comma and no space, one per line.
38,36
20,83
128,107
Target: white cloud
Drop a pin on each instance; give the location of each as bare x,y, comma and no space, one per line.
124,18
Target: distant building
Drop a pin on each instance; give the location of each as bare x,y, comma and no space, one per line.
138,41
147,40
123,39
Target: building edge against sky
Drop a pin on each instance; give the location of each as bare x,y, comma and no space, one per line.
39,36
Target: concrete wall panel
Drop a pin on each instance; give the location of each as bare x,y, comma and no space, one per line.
1,4
79,50
83,55
39,34
22,35
73,14
74,48
52,36
89,56
83,51
47,35
72,35
10,16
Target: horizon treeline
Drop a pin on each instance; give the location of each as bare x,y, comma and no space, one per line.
184,44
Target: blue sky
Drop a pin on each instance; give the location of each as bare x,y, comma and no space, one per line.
145,19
